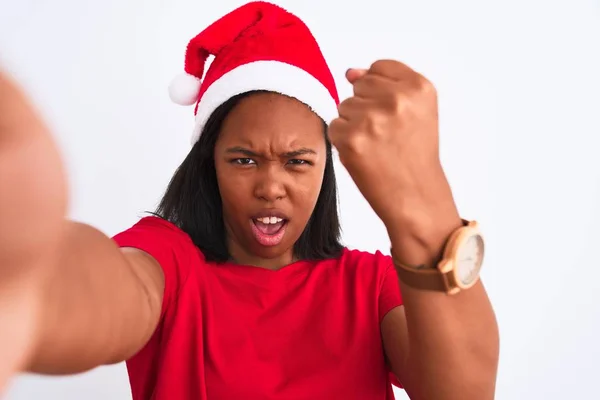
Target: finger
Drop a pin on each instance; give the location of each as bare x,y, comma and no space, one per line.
353,74
392,69
338,128
370,85
352,107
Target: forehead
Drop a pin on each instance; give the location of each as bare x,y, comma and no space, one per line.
273,120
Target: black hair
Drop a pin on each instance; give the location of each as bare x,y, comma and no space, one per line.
192,200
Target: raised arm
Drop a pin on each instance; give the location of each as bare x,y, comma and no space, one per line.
442,347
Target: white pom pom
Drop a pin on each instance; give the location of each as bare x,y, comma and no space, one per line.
184,89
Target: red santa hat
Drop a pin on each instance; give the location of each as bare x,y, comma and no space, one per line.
258,46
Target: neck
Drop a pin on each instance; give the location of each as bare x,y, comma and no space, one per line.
242,257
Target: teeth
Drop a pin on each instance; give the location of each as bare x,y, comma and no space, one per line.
269,220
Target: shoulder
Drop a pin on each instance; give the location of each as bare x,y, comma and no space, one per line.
154,231
169,245
372,272
153,224
366,266
355,258
377,269
166,243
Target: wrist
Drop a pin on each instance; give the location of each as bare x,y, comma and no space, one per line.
419,240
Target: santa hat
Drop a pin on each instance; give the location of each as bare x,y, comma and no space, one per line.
258,46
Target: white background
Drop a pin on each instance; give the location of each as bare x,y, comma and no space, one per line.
520,108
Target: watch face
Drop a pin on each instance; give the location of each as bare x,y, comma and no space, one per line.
470,258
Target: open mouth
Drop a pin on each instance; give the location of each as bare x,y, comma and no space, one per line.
269,225
269,230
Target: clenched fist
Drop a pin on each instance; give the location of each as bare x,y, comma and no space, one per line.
387,138
33,193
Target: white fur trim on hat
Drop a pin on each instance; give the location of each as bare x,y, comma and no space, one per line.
273,76
184,89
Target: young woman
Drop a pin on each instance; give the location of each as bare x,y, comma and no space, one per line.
238,287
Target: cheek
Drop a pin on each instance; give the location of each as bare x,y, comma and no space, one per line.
234,191
308,187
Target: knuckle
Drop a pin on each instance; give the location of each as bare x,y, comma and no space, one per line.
424,85
342,109
371,124
382,66
345,105
355,144
366,85
351,140
400,105
344,102
333,129
391,68
394,101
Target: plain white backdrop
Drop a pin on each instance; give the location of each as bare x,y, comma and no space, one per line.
520,124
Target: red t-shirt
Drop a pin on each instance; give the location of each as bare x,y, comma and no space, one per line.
310,330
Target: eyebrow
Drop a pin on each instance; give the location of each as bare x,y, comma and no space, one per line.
290,154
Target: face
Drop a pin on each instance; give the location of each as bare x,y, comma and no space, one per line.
269,159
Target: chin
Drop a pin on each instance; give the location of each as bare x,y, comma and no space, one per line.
271,252
282,250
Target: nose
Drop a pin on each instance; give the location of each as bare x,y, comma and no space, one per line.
270,185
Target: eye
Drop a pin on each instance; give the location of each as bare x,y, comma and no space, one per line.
296,161
243,161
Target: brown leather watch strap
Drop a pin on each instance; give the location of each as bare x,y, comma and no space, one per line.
428,278
424,279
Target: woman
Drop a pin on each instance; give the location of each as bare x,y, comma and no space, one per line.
239,287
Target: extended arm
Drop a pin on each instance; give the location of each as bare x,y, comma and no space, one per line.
70,299
100,304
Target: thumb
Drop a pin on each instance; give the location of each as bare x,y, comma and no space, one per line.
353,74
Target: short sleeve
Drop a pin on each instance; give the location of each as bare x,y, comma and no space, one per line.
389,294
168,245
390,297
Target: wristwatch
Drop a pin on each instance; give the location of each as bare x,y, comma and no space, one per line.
458,268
